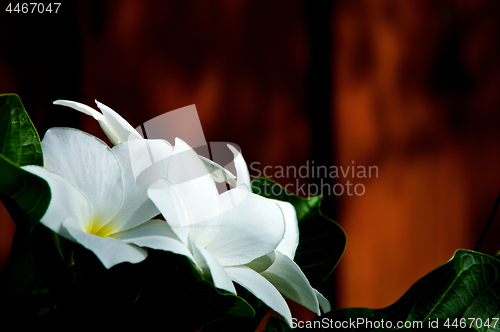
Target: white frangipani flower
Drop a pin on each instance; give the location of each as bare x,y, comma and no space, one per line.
95,201
236,236
119,130
278,267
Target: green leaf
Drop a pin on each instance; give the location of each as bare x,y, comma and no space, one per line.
174,287
276,324
52,257
19,141
241,324
321,240
26,197
467,288
21,292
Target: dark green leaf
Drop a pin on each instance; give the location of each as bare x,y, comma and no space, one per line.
321,240
241,324
19,141
21,292
276,324
466,288
173,286
53,263
26,197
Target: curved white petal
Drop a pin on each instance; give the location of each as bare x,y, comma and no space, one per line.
137,207
116,126
242,174
92,112
88,164
148,160
155,234
66,201
290,241
109,251
219,173
210,265
262,263
171,207
191,184
289,279
323,302
81,108
248,230
261,288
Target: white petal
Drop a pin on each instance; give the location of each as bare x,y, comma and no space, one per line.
148,160
109,251
210,265
242,175
323,302
88,164
290,241
81,108
289,279
66,201
219,173
118,128
155,234
92,112
262,263
261,288
248,230
193,186
171,207
137,207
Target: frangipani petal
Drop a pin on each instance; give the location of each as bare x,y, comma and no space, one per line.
109,251
66,201
219,173
92,112
262,263
81,108
120,129
323,302
289,279
114,126
210,266
88,164
191,182
137,207
148,160
248,230
290,241
172,208
242,175
155,234
261,288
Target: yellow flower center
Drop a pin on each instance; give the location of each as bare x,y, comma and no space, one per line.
100,228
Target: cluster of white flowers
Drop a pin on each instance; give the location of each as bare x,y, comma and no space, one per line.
235,236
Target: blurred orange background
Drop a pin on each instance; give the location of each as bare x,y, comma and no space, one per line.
411,87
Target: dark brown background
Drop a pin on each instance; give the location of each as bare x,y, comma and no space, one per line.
411,87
